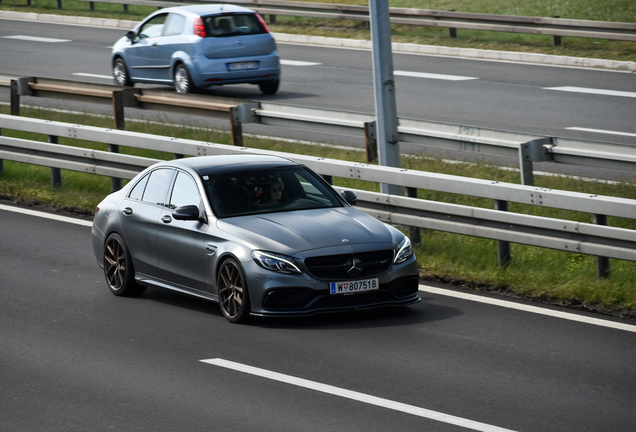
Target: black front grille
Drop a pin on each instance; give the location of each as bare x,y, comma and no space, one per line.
335,267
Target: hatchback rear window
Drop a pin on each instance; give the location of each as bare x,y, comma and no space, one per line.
233,25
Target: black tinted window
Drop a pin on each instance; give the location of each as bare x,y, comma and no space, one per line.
233,25
266,191
138,191
157,187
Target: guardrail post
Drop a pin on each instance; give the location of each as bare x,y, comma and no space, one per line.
1,160
414,232
371,141
92,5
503,247
602,263
328,179
532,151
59,4
556,39
272,19
236,127
56,173
125,8
19,87
118,110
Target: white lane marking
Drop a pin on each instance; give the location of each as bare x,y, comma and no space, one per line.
110,77
298,63
593,91
602,131
433,76
46,215
36,39
528,308
360,397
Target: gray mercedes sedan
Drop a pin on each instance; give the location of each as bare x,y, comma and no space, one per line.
260,235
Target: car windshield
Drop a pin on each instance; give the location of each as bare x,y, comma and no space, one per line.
233,25
240,193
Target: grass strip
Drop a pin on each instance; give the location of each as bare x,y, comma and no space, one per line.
541,274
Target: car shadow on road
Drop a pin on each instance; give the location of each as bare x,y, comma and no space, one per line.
419,313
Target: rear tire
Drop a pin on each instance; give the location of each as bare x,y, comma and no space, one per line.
269,88
182,80
118,268
234,298
120,73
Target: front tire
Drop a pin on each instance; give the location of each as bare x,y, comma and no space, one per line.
234,298
269,88
118,268
120,73
182,80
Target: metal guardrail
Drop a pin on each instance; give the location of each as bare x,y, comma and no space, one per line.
593,239
526,148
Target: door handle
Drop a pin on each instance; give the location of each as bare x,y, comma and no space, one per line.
166,219
128,211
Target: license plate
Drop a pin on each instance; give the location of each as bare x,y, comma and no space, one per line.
350,287
242,66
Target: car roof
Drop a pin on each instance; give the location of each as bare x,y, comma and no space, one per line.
223,163
208,9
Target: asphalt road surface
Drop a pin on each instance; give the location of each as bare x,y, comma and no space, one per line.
75,357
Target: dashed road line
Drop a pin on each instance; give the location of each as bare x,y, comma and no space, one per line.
356,396
36,39
593,91
433,76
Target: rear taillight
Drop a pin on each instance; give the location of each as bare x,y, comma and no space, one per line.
262,23
96,210
199,27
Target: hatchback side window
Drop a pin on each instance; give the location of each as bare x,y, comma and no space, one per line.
158,185
153,27
138,190
184,192
174,25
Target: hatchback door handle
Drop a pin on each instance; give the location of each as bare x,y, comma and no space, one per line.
166,219
128,211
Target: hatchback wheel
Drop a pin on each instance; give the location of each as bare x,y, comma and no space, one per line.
182,80
118,268
234,297
120,73
269,88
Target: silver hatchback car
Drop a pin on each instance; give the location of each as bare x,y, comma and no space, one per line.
198,46
260,235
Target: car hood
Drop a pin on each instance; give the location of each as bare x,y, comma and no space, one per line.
292,232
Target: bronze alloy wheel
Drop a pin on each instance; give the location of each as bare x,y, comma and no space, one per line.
234,297
118,268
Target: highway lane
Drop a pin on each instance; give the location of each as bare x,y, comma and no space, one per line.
499,95
73,356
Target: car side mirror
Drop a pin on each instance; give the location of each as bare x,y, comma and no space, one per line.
131,35
188,212
350,197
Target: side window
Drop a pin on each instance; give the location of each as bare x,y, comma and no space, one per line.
138,191
184,192
153,27
157,188
175,25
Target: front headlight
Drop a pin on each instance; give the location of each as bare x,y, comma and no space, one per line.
275,262
404,251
